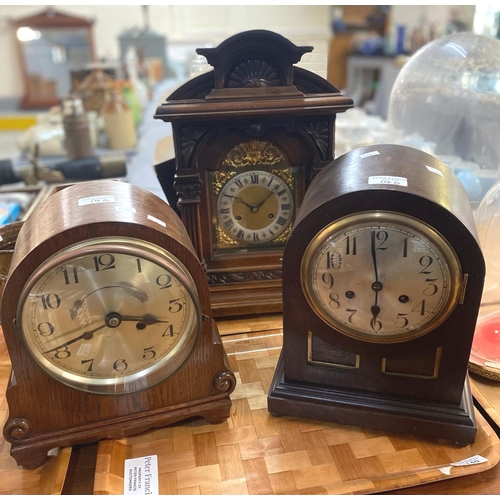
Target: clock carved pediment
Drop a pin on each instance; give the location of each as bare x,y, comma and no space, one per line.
269,62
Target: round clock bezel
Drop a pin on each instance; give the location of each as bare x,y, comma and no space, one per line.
372,218
154,373
245,230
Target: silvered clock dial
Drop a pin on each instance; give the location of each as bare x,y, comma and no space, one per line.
381,276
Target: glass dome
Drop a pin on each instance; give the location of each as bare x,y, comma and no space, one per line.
485,352
446,100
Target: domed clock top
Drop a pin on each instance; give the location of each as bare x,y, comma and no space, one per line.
382,281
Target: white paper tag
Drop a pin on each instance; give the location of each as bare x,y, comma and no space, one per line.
158,221
476,459
96,199
388,179
141,476
434,170
125,208
371,153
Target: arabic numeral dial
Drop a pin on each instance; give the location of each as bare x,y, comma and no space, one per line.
381,277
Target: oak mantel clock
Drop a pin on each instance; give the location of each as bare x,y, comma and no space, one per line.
382,280
106,316
249,137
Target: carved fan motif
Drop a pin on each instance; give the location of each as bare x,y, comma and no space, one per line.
319,132
254,73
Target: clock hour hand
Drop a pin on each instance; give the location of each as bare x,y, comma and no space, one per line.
84,336
147,319
375,310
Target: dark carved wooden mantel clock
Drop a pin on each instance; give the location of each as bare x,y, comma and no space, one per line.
382,280
249,137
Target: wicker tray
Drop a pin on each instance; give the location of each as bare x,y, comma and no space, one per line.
255,453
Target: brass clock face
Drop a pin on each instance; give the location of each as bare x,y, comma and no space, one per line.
380,277
255,207
110,316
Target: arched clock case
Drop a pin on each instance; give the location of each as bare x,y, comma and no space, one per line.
107,320
382,280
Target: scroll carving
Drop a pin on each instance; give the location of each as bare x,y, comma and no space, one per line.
253,153
17,429
243,277
225,382
188,192
190,138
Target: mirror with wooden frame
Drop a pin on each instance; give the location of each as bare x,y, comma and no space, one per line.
51,44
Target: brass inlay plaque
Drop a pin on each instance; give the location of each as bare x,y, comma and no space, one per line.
424,366
311,360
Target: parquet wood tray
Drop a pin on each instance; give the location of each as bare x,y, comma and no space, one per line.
14,480
487,394
256,453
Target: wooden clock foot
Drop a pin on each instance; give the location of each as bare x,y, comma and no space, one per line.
31,456
31,452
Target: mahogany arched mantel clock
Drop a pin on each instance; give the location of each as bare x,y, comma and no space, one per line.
249,137
382,281
106,317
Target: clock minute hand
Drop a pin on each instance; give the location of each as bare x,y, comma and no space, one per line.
376,285
266,198
85,335
374,255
